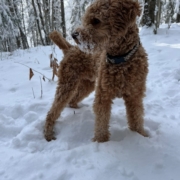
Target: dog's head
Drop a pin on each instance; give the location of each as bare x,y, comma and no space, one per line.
105,20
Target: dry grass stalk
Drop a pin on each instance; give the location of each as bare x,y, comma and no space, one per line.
31,71
31,74
54,65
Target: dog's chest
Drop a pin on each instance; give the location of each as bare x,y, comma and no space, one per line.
117,79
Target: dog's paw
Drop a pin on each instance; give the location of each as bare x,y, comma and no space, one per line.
100,139
49,135
75,106
143,133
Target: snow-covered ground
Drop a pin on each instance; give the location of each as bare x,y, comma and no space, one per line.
26,155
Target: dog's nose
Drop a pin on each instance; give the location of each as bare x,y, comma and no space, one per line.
75,35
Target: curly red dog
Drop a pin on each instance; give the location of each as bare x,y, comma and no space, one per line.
109,51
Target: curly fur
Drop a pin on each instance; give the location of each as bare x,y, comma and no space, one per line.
76,80
108,26
111,25
58,39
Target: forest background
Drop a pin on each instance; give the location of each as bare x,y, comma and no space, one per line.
27,23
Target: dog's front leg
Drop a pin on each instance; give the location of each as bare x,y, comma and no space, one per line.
135,112
102,110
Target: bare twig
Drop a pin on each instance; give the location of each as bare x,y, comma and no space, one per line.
34,70
41,87
44,53
54,65
37,61
33,93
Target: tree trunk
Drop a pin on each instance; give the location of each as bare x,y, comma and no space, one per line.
152,7
46,6
42,22
38,23
32,40
63,23
22,34
23,22
148,16
53,16
178,18
24,39
157,15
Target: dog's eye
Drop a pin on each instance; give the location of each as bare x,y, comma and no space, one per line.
95,21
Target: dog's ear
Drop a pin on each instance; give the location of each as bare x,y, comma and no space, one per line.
122,14
137,8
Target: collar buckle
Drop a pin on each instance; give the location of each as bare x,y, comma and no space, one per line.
112,61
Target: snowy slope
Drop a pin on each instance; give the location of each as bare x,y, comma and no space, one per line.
25,155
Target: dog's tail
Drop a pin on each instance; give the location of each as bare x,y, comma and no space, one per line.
60,41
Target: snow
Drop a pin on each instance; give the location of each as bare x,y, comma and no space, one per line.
26,155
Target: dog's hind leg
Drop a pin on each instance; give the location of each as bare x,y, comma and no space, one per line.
67,84
135,112
85,87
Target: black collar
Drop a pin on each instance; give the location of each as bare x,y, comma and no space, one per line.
123,58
